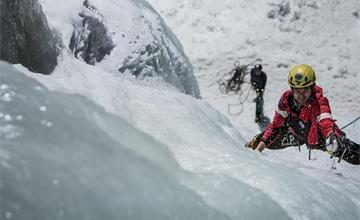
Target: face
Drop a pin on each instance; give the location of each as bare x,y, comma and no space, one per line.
301,95
258,71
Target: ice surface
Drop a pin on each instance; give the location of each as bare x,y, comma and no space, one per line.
75,170
143,44
142,143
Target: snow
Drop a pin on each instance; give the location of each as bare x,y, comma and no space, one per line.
139,35
87,165
323,37
193,147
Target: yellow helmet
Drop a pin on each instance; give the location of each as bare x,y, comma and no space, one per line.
301,76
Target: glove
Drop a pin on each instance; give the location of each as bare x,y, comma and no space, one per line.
331,144
253,142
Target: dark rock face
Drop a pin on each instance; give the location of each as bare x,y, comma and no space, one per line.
279,10
90,40
25,36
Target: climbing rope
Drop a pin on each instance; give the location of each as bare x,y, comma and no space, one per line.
346,148
350,123
243,97
230,84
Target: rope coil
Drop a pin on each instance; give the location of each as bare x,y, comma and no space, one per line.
231,83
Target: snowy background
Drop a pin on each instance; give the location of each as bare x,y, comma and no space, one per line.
89,142
277,34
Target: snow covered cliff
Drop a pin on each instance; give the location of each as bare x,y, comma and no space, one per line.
92,141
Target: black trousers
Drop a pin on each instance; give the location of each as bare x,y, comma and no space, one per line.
259,101
283,138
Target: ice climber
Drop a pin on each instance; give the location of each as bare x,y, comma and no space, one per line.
304,116
258,82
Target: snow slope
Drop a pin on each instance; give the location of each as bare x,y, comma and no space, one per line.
210,161
204,143
321,33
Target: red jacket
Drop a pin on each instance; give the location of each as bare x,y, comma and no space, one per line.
316,113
